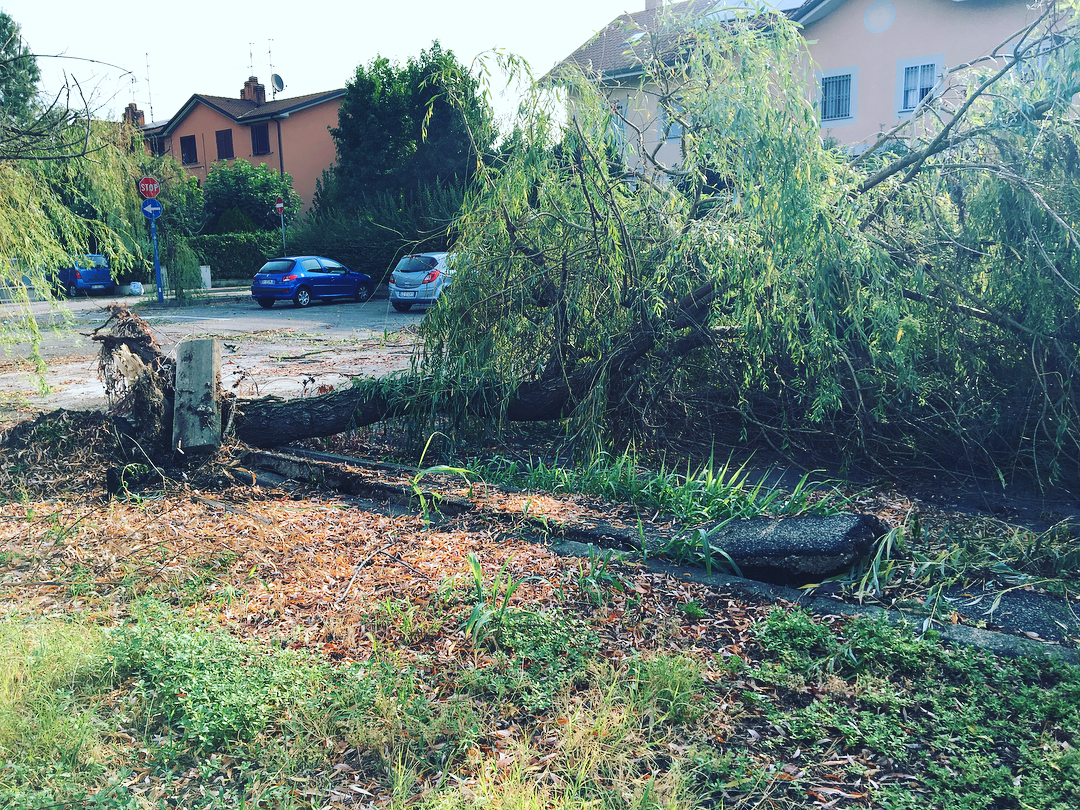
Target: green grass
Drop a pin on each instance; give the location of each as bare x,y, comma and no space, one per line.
818,710
981,732
708,493
53,679
484,696
912,564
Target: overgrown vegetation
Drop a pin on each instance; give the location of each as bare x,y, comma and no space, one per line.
711,492
911,308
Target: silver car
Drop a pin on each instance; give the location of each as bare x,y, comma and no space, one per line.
420,279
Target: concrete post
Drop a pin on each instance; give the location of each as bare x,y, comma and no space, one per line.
197,408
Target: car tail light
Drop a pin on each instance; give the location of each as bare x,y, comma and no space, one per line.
393,279
78,275
430,277
291,277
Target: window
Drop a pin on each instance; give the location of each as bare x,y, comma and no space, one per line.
835,97
260,139
838,93
188,152
918,82
1042,58
915,80
224,144
618,122
668,126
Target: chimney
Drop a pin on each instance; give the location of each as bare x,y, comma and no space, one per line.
253,91
134,116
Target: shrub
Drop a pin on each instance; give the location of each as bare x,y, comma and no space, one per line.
236,255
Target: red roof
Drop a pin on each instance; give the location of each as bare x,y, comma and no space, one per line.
244,111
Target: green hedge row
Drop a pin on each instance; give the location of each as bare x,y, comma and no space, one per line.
236,255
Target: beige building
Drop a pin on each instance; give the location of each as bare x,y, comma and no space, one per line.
870,61
289,135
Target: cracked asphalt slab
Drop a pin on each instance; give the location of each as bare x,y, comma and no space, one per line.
285,351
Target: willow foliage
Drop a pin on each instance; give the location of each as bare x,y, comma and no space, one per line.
913,305
53,208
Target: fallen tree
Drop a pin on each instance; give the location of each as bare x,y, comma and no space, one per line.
912,306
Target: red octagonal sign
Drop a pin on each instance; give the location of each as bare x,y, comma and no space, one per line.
149,187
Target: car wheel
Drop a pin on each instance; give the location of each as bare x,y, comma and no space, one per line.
363,291
302,297
72,290
401,306
266,303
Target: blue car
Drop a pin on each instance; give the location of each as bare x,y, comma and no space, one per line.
301,279
89,273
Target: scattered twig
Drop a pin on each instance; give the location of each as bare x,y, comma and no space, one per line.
361,564
228,507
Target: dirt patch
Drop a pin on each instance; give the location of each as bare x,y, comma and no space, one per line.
283,364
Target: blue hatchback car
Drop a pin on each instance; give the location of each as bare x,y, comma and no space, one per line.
301,279
89,273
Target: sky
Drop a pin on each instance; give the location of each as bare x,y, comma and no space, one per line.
158,54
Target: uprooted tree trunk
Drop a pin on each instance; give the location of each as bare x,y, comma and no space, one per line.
140,385
271,421
139,379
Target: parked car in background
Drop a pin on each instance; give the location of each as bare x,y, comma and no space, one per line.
301,279
86,274
420,279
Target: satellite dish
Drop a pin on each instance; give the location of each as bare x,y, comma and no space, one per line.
277,82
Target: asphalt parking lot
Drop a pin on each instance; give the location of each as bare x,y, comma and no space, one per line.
285,351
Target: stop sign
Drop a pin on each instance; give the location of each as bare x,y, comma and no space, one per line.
149,187
279,206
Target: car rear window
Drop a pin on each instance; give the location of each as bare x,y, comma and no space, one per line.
416,264
277,267
88,262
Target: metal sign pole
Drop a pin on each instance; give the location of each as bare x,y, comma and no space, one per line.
157,265
283,250
149,187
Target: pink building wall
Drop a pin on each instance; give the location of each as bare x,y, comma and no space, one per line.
874,39
306,147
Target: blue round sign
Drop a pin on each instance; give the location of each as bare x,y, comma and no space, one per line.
151,208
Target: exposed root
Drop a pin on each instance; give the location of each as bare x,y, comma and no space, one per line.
139,379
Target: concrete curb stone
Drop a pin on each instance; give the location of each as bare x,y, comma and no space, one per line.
1003,644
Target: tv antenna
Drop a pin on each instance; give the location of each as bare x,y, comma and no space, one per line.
275,80
149,97
251,59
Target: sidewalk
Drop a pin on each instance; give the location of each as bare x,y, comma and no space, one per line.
232,294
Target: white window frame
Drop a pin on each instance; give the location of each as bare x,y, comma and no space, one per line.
853,96
937,63
663,117
1040,59
619,128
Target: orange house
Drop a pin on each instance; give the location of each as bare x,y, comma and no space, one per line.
290,135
